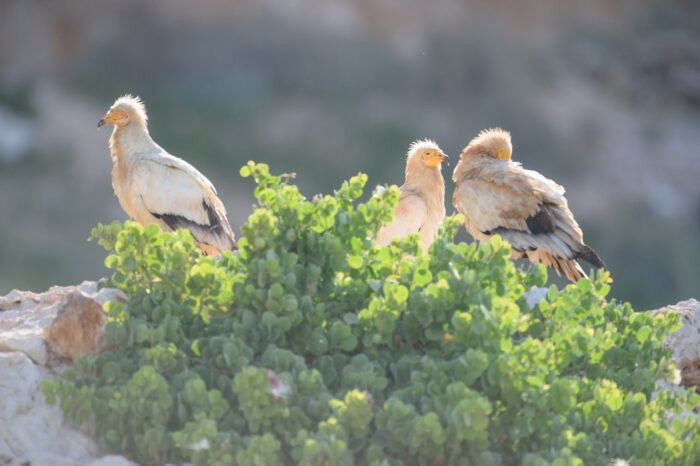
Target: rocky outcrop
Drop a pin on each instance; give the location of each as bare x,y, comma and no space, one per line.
684,343
38,334
55,324
31,432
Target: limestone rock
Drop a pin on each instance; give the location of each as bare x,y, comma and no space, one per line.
534,295
36,330
25,316
61,321
31,432
78,326
684,343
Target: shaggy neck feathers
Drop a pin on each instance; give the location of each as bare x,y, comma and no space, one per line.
418,175
426,181
132,138
422,179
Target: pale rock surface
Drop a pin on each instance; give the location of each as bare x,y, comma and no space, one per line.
534,295
37,333
26,318
684,343
30,430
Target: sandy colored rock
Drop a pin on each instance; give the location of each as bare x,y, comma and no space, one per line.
33,327
77,328
31,431
61,321
684,343
23,316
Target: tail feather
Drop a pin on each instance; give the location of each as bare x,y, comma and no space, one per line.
571,269
588,254
563,266
558,251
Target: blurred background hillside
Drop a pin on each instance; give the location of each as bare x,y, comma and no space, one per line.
603,96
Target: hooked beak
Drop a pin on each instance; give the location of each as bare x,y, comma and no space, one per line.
109,118
446,157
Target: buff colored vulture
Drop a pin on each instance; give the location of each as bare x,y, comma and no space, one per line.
155,187
498,196
421,205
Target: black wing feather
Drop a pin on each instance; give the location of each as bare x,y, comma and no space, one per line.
542,222
175,221
213,225
588,254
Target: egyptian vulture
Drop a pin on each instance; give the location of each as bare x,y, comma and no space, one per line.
421,205
498,196
155,187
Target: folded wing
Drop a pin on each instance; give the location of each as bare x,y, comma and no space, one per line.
530,212
178,196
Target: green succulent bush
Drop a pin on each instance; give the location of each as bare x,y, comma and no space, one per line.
313,346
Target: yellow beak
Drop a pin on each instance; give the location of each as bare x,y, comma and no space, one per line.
503,153
112,117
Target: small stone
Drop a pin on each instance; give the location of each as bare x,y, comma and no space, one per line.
534,295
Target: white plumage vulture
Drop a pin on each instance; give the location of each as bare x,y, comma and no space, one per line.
421,206
499,196
155,187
